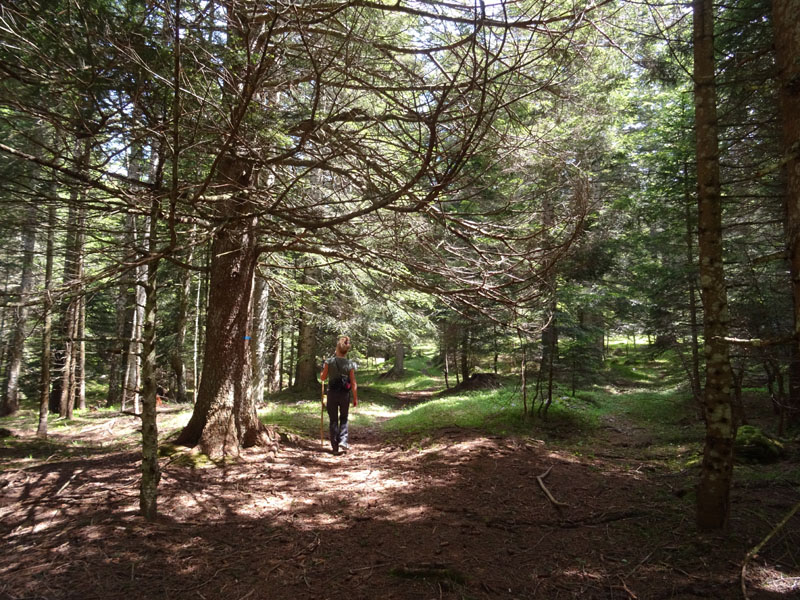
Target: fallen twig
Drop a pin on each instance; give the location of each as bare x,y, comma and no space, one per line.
63,487
755,550
540,479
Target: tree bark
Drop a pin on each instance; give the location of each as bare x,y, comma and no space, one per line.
274,349
115,362
181,321
713,494
151,474
47,324
307,367
10,401
224,418
786,28
691,281
465,353
258,340
399,358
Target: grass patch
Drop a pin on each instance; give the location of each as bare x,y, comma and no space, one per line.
489,412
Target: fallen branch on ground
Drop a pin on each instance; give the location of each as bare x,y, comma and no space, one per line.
754,551
540,479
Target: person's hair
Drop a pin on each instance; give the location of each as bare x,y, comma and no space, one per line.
340,338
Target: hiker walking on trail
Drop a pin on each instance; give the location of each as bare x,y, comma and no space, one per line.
342,373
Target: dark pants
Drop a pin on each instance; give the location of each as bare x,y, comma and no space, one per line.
338,407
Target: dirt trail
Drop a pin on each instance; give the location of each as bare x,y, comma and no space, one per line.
463,517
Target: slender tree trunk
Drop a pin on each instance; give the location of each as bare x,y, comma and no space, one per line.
73,276
549,349
67,401
115,362
496,351
691,280
445,351
274,349
4,341
151,474
138,331
280,373
713,493
80,366
455,362
196,342
307,367
258,340
176,360
465,353
550,332
10,400
399,358
786,27
524,382
291,357
132,389
47,324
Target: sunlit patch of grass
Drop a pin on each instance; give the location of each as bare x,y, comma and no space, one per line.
491,412
418,374
302,417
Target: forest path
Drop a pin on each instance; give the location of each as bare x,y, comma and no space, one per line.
463,515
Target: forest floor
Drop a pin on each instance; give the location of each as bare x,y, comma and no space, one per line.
457,514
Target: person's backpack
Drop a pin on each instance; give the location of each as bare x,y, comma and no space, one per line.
341,381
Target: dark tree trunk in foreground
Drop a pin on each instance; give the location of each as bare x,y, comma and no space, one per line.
713,493
786,26
224,418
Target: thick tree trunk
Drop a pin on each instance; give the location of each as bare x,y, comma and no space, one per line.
786,27
10,401
713,494
224,418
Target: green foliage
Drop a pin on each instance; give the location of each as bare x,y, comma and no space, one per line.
754,446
